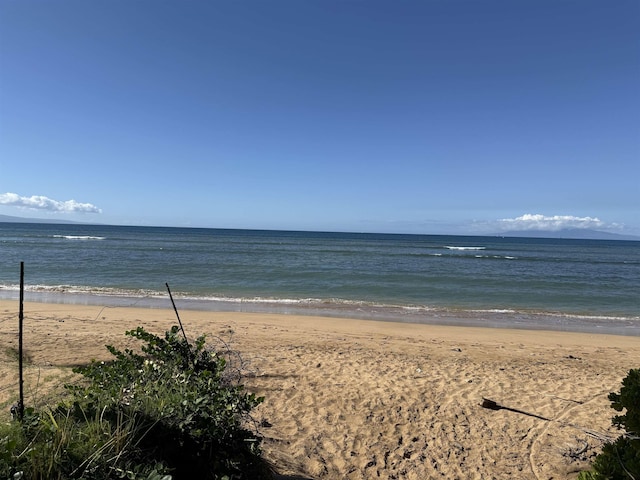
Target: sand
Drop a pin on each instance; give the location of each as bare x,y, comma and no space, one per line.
354,399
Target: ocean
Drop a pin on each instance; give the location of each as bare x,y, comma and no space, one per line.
556,284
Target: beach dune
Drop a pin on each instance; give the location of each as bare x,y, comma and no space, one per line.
362,399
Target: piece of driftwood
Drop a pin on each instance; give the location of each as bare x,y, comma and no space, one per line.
492,405
602,437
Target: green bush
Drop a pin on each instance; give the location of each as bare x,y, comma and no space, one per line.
168,412
620,460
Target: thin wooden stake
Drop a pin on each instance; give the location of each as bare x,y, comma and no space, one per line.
20,322
177,315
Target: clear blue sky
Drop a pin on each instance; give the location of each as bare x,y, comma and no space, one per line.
426,116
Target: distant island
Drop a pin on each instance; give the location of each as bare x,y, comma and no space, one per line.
567,233
12,219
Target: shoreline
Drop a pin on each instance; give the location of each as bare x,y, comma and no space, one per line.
362,399
481,318
337,323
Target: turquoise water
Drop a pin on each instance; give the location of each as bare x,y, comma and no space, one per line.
522,282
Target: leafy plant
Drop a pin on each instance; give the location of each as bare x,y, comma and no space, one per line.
166,411
621,459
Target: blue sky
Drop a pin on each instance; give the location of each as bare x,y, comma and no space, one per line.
426,116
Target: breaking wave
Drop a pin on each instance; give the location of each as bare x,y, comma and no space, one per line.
79,237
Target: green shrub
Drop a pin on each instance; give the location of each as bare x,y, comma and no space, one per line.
169,409
620,460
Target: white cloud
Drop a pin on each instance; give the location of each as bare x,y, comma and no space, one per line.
39,202
537,221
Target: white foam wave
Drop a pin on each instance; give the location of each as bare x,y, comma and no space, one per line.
451,247
589,317
79,237
335,305
87,290
495,310
561,315
282,301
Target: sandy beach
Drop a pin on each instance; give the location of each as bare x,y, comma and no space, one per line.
361,399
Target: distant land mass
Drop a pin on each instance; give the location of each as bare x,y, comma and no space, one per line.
12,219
568,233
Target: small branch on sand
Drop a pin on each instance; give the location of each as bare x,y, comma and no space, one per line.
578,452
602,437
491,405
579,402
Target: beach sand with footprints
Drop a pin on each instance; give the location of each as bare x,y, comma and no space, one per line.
354,399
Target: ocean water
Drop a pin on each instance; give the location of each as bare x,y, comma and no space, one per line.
574,285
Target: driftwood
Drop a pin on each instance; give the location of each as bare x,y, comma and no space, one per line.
578,452
491,405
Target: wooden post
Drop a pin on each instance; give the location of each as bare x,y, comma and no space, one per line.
20,322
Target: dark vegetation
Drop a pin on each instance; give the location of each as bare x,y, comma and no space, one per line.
170,411
620,459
